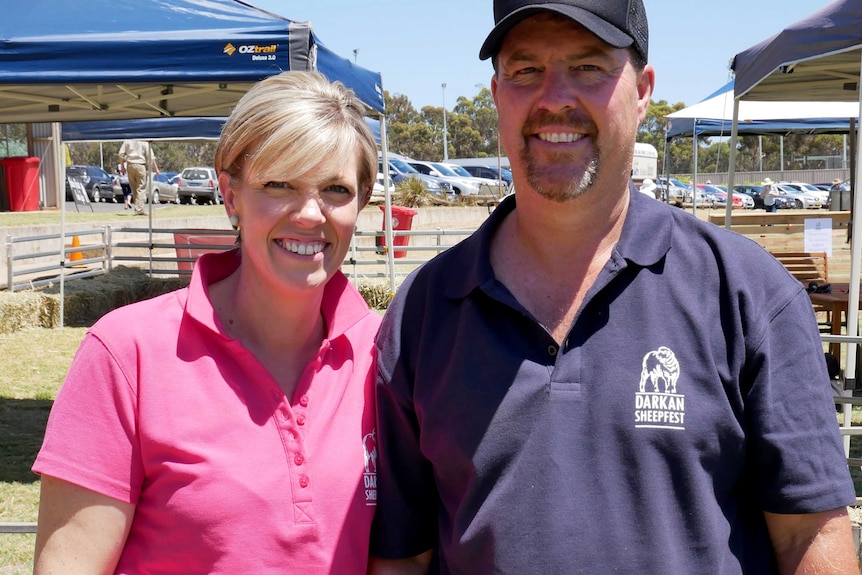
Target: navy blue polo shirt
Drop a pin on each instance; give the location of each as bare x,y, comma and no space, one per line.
690,396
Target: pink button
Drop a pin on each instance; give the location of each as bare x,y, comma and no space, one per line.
300,420
303,401
299,459
303,481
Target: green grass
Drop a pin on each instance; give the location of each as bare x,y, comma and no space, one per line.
33,364
52,216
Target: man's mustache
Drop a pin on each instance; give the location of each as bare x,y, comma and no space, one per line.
573,119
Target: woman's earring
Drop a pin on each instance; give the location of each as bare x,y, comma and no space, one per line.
234,221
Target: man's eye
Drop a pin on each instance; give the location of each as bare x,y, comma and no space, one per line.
277,185
526,70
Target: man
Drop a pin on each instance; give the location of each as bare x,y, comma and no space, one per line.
768,195
133,160
595,382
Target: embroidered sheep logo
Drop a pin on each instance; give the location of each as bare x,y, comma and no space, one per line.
369,447
660,365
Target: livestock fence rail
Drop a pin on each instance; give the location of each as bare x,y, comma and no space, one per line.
36,260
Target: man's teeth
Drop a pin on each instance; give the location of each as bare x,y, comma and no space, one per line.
556,138
302,249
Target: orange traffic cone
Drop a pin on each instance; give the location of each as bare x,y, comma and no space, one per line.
76,256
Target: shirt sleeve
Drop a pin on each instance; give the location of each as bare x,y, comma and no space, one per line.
91,436
405,523
795,444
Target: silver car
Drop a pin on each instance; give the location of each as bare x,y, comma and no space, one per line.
824,195
199,184
802,199
460,185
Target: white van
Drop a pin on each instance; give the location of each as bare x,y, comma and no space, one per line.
644,162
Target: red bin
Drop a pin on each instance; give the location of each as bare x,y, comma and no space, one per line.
22,183
402,219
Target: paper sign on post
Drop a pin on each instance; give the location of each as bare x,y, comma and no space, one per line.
818,235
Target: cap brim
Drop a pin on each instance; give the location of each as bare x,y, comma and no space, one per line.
601,28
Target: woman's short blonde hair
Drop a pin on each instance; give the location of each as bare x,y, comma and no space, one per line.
291,124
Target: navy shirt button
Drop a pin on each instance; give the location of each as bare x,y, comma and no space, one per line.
552,350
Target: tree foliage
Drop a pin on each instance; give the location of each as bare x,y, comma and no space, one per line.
472,131
471,127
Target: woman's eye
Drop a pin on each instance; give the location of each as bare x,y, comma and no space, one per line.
277,185
340,190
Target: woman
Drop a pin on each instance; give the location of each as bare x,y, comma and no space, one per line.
228,427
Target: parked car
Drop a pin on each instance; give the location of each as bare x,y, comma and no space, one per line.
824,196
160,190
199,184
399,170
175,183
489,172
672,190
805,200
713,195
740,200
486,185
467,186
98,183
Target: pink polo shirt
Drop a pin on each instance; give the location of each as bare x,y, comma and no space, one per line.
161,408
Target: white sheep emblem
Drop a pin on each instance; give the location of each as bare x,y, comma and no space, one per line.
658,365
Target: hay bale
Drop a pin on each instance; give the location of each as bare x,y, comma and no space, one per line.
377,295
88,299
26,310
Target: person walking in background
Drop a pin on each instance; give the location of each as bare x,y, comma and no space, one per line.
133,159
768,194
568,401
125,187
241,439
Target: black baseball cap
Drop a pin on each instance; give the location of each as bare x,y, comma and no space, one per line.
620,23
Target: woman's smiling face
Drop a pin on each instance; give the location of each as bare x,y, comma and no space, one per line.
296,233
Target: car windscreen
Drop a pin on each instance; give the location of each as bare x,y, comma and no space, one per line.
403,167
195,175
444,169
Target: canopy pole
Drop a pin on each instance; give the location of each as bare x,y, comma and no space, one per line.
387,219
694,169
731,163
60,168
666,191
853,296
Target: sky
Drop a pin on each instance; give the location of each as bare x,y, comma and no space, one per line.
417,46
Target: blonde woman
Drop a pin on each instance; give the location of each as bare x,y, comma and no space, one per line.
228,427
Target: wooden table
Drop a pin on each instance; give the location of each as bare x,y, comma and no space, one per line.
837,303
